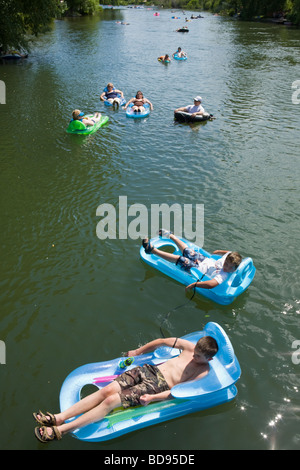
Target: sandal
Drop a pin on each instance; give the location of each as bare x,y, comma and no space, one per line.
147,246
46,437
164,233
45,419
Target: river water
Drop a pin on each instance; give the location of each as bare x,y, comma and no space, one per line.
69,298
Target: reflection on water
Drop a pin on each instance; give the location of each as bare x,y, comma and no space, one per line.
69,298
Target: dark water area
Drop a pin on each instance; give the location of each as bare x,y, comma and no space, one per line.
69,298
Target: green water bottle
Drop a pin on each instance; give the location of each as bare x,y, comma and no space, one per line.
127,362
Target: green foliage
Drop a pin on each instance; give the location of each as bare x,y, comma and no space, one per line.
249,9
294,11
193,5
83,7
21,17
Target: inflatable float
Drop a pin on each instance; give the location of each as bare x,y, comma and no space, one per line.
107,103
13,55
224,294
182,116
164,61
135,114
216,388
184,29
176,57
79,128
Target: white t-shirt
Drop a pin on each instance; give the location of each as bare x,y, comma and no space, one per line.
192,108
214,268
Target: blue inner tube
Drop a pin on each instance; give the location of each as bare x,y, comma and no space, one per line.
107,103
179,58
135,114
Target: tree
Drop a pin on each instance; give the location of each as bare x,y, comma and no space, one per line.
83,7
294,11
21,18
18,18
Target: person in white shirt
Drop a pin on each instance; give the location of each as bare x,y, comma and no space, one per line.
180,53
193,109
218,270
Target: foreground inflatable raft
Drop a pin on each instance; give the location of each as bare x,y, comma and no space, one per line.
216,388
79,128
223,294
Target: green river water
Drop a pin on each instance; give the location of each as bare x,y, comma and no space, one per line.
69,298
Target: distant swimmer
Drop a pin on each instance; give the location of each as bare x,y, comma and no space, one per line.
179,53
164,58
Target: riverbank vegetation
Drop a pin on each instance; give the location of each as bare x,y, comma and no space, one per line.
20,19
244,9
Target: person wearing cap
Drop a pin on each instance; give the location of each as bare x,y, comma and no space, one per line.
194,109
77,115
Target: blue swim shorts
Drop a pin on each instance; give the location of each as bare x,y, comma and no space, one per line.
189,259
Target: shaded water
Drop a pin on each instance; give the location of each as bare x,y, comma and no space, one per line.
68,298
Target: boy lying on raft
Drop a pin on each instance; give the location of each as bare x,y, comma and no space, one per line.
218,270
138,386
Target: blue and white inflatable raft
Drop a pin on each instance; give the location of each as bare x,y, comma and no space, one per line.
108,103
176,57
223,294
216,388
136,115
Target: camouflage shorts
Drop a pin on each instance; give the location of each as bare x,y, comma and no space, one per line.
138,381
